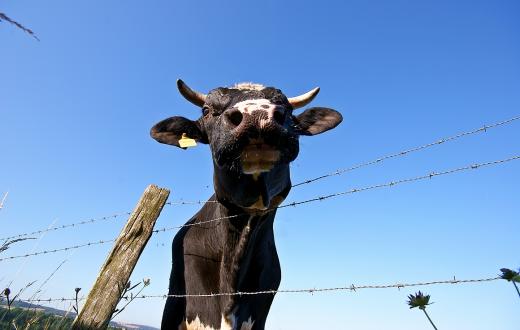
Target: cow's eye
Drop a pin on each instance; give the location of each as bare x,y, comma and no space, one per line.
205,110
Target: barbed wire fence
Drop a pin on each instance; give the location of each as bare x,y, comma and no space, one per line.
356,190
73,247
337,172
351,288
482,129
429,175
70,225
381,159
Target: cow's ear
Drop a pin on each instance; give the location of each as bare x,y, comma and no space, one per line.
171,130
317,120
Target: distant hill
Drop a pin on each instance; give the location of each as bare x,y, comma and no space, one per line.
24,312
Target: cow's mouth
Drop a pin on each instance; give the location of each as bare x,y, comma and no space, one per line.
258,157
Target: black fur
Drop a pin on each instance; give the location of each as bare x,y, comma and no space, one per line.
237,254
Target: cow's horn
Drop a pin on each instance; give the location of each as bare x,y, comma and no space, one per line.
304,99
193,96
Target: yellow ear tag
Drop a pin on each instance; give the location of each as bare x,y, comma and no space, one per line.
186,142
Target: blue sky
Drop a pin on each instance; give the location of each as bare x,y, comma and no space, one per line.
77,106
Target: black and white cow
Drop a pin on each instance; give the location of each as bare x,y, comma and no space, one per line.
253,136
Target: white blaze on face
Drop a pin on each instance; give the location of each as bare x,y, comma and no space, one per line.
263,105
259,157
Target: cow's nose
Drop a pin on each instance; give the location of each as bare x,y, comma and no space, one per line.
272,119
233,117
279,116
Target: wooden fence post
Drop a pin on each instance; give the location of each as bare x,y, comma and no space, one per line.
104,296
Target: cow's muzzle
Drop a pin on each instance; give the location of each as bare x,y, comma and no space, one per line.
258,157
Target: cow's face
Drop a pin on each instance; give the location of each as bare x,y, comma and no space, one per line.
253,136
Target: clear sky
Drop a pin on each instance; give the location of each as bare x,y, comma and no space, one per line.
76,109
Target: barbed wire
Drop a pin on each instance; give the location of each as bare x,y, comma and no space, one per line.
84,222
354,190
181,202
408,151
294,204
164,229
394,183
377,160
75,224
308,181
351,288
58,250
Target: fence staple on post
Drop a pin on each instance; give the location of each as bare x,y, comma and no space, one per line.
113,277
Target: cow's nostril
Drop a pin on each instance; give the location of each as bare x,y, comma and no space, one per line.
235,117
279,117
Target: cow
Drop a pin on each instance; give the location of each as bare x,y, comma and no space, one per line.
228,245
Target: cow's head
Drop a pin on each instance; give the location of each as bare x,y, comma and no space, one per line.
253,135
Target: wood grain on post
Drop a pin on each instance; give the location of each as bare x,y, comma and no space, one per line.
102,300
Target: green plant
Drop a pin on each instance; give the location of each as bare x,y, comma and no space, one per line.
127,290
7,293
420,300
5,245
4,17
511,276
76,308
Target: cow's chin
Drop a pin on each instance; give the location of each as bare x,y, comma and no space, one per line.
259,206
257,158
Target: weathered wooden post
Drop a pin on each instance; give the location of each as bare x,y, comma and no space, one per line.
104,296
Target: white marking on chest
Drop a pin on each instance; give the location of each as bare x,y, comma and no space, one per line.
225,324
262,105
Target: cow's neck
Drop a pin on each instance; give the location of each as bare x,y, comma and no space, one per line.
242,232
